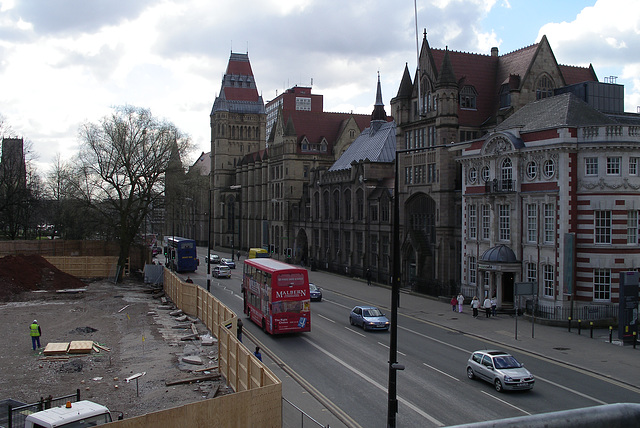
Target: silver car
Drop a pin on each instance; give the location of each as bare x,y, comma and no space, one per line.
499,368
369,317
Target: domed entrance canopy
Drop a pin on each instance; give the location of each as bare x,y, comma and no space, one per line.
499,254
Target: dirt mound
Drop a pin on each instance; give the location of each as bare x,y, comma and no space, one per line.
20,273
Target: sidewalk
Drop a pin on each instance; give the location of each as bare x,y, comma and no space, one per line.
596,355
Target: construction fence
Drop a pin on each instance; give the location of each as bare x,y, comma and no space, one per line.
258,392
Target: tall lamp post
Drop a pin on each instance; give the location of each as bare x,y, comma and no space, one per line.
392,406
236,188
209,245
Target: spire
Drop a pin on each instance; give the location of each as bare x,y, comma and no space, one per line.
406,87
447,77
378,109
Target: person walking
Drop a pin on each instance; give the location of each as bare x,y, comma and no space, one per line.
494,306
35,332
475,304
460,300
239,330
454,303
487,306
189,280
368,276
257,353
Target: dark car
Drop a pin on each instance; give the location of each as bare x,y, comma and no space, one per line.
369,317
228,262
315,293
214,258
499,368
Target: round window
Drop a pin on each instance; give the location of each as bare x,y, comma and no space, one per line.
485,173
473,175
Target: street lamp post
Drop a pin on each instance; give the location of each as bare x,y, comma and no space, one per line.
392,406
209,245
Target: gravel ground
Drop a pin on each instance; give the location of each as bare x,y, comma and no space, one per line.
125,318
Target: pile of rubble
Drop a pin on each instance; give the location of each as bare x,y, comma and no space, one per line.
20,274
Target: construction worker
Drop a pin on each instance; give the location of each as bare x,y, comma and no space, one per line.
35,332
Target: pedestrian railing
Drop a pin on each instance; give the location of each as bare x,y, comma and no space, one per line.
295,417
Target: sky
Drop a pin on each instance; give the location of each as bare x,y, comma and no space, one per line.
67,62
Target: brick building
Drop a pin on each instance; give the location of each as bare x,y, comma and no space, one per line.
551,197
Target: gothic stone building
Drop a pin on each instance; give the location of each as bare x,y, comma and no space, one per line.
457,96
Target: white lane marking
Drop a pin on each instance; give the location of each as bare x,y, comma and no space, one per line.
571,390
328,319
537,377
387,346
237,296
508,404
356,332
441,372
374,383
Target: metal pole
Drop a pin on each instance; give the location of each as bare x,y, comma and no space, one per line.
209,246
392,406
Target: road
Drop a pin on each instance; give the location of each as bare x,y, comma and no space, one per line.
348,366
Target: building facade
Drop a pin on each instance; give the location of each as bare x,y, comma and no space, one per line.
550,197
454,97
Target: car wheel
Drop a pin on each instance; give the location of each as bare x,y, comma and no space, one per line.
470,374
498,385
364,326
351,321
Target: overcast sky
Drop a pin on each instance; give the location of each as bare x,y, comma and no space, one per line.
65,62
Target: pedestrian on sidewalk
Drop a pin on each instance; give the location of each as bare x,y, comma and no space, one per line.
460,302
35,333
368,276
487,306
494,306
239,330
257,353
454,303
475,304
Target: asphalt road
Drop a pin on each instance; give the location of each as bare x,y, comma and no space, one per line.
348,367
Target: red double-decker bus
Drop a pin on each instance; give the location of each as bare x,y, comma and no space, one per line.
276,296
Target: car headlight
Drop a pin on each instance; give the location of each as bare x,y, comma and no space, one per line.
508,379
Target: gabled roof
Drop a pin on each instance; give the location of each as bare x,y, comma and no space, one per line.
376,143
559,111
318,125
574,74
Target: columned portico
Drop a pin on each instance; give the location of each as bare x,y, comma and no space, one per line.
503,270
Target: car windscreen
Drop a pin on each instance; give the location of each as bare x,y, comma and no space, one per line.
507,362
375,312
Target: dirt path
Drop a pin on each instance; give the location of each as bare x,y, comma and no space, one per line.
124,318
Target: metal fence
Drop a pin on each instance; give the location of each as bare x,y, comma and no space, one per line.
18,415
592,312
294,417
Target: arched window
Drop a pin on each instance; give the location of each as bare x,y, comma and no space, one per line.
544,87
326,212
347,204
316,204
360,204
506,174
336,205
468,97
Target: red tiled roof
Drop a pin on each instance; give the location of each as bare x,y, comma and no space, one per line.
515,63
478,71
242,68
318,125
574,74
240,94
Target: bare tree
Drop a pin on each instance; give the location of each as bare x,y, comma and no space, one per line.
121,168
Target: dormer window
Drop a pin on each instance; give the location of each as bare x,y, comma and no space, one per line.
468,97
505,96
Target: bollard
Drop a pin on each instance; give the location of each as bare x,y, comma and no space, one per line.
569,324
579,327
591,329
610,334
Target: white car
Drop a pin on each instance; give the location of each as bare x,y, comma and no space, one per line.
500,369
221,271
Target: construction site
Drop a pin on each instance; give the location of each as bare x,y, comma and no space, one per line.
127,346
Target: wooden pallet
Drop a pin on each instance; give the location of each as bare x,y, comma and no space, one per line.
80,347
54,348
